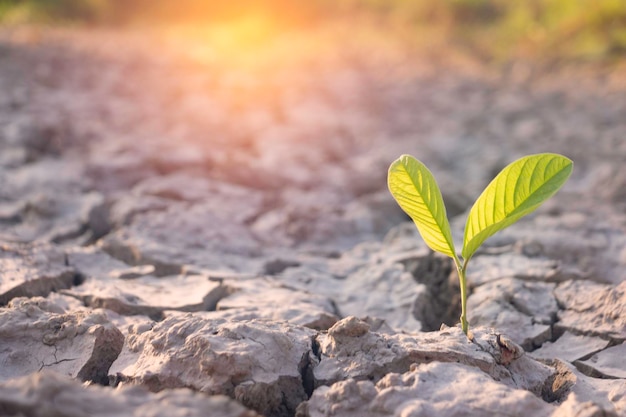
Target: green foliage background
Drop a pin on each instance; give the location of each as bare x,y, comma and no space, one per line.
499,30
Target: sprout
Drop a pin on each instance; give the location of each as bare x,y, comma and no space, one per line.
516,191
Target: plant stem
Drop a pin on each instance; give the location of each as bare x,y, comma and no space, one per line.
460,269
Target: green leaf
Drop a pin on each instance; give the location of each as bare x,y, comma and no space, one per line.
518,190
416,191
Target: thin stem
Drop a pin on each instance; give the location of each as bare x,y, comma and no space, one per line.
460,268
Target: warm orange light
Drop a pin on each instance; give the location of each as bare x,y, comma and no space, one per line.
244,41
244,35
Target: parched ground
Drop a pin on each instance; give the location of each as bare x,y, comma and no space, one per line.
192,228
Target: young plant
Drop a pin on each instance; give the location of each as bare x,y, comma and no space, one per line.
516,191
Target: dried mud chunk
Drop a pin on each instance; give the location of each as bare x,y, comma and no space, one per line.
522,310
185,234
81,344
608,363
570,347
30,271
259,362
592,309
433,389
608,395
268,298
146,295
51,394
349,350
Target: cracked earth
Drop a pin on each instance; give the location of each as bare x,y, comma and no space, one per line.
194,238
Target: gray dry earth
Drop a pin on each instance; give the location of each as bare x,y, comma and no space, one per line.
179,238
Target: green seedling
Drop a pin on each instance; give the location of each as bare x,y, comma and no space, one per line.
516,191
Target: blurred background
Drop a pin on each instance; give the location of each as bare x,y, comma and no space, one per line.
305,103
491,30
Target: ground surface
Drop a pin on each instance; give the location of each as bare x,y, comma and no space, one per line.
213,232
